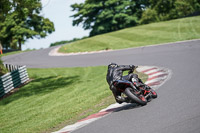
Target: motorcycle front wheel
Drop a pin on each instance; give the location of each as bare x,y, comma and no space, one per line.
154,94
140,99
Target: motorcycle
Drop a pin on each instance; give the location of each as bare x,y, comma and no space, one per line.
135,91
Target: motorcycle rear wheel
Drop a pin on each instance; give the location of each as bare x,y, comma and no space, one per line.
141,100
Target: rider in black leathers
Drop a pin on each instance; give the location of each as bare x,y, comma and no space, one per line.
115,72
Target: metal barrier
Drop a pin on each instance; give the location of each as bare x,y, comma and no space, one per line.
10,67
13,79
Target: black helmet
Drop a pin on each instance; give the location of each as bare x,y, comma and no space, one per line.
112,65
132,66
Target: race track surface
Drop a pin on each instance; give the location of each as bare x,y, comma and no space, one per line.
176,110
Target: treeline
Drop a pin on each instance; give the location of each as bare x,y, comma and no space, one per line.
66,41
21,20
161,10
102,16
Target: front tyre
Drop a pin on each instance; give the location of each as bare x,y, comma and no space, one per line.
140,99
153,93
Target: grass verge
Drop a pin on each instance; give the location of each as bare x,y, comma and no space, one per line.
11,53
55,98
150,34
14,52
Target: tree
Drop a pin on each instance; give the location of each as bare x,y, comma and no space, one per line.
4,8
181,8
102,16
160,10
149,16
21,20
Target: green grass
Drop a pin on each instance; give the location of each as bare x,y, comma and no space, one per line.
14,52
155,33
55,98
11,53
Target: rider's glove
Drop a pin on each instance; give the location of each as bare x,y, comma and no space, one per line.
132,67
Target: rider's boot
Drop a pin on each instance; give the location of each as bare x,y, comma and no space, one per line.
120,99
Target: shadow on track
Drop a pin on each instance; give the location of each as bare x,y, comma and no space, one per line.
127,106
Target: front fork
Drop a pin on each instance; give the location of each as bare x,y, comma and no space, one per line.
145,91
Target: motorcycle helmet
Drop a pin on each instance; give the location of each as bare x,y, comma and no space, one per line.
132,67
113,65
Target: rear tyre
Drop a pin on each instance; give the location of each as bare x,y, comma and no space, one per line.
140,99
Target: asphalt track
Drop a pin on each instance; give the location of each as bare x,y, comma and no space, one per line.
176,110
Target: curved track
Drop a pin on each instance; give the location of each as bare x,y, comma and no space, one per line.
177,109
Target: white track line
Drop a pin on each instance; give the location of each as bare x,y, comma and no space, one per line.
55,52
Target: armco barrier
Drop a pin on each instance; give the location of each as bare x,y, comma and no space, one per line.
13,79
11,68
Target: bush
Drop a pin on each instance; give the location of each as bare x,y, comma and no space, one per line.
149,16
182,9
166,10
3,70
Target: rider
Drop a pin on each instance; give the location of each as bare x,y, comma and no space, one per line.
115,72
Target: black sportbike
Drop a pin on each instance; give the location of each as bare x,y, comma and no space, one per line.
135,91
